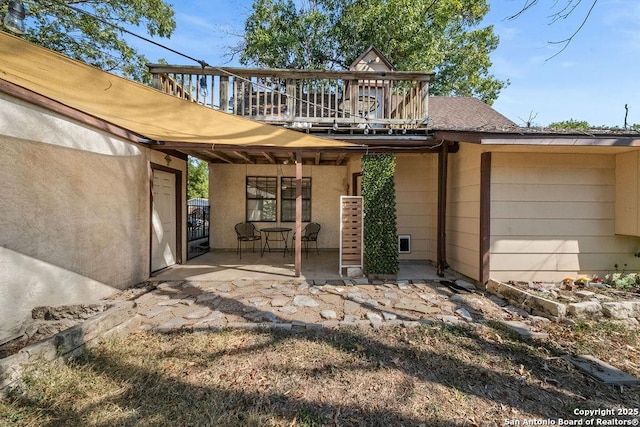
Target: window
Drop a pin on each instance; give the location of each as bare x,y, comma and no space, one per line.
261,198
288,197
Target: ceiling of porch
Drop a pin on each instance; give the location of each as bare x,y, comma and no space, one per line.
240,156
362,143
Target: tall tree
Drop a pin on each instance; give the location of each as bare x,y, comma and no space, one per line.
424,35
53,24
197,179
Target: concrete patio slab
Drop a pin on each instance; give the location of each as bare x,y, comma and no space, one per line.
227,266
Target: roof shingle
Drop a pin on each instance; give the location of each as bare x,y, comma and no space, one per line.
465,113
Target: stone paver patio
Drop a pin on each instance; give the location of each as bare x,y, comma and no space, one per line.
290,304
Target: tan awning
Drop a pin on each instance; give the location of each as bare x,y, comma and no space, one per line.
136,107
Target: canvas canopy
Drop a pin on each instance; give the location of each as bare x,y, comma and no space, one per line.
136,107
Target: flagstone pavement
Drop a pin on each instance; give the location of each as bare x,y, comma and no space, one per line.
166,306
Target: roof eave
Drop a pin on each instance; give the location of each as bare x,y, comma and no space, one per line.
539,139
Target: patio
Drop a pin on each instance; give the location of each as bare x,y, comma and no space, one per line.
227,265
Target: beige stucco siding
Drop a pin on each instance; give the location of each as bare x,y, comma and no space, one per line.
463,210
553,215
416,183
227,196
74,222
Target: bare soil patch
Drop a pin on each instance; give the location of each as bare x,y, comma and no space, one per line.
435,375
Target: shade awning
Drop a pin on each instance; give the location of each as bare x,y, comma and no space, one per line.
136,107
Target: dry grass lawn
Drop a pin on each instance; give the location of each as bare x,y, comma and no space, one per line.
433,375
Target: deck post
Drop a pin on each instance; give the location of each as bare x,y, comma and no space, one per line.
291,99
424,99
298,234
224,93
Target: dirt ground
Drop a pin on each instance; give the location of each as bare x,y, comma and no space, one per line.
432,375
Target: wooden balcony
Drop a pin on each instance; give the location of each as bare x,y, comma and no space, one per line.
303,99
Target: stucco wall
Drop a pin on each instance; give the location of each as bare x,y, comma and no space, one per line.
227,186
463,211
553,215
74,221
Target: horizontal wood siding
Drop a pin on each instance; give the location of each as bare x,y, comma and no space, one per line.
416,201
553,215
463,211
351,218
628,193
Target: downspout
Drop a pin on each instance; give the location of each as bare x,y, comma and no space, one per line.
443,157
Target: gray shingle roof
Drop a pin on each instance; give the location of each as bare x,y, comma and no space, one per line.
465,113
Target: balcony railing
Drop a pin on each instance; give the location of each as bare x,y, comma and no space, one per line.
304,99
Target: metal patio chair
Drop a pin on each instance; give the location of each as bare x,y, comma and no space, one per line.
246,232
309,234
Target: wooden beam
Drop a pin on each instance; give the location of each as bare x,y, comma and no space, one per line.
220,156
199,146
177,154
340,159
200,155
298,243
485,217
290,73
269,157
244,156
318,158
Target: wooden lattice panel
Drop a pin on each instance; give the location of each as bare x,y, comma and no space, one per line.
351,232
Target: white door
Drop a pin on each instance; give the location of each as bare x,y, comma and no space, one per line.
163,220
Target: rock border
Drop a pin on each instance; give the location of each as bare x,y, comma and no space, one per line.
117,320
557,311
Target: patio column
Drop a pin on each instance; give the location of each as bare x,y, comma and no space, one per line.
298,234
443,157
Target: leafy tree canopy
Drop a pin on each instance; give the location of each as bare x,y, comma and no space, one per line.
197,179
582,125
54,25
570,124
443,36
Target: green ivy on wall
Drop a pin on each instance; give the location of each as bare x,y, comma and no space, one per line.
380,222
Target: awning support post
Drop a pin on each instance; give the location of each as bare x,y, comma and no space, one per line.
298,232
443,157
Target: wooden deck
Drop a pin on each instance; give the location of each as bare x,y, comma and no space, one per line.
305,99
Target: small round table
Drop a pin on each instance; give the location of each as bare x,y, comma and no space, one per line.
276,234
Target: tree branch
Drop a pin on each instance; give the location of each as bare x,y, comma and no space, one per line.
569,39
568,9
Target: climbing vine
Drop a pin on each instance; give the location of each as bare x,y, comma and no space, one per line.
380,222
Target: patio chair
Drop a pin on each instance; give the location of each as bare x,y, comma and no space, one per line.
309,234
246,232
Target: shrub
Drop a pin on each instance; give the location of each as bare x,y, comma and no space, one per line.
380,222
623,280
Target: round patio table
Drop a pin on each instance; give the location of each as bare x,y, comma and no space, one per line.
276,234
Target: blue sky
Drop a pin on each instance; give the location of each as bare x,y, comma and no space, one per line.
591,80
